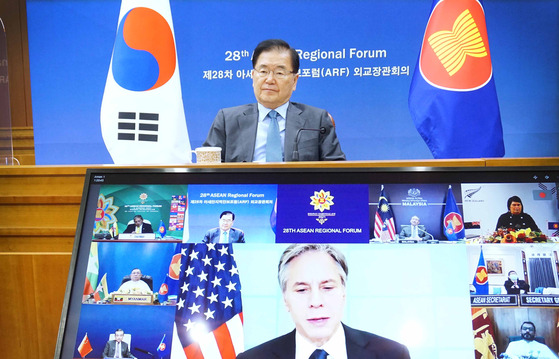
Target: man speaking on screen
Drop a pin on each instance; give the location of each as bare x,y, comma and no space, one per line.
274,129
312,278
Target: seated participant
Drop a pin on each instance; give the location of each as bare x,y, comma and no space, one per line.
527,347
414,230
513,285
225,233
117,348
135,284
312,278
267,131
516,218
138,226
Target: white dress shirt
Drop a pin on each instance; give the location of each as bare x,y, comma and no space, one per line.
335,347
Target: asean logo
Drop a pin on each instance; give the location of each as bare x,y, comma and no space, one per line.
164,289
175,267
455,51
481,275
453,223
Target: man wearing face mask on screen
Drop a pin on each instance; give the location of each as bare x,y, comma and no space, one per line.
513,285
274,129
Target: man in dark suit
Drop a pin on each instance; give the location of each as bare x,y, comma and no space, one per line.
138,226
312,278
513,285
225,233
249,133
414,230
117,348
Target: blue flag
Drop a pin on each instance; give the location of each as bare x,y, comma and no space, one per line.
170,287
453,223
481,280
453,99
162,348
162,229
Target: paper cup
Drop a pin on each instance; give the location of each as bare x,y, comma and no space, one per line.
208,154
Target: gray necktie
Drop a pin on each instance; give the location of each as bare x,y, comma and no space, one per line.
319,354
273,141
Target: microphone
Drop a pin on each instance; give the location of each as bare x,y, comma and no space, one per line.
424,231
144,351
295,156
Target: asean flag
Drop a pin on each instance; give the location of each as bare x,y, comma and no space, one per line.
453,99
481,278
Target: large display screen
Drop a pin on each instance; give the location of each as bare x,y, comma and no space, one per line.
184,262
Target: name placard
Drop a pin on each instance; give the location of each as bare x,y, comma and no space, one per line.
538,300
132,298
136,236
507,300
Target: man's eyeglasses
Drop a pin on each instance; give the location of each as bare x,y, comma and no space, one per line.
278,74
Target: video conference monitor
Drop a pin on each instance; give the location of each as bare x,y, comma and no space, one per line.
183,262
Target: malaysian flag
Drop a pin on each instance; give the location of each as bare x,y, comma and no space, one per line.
384,220
209,317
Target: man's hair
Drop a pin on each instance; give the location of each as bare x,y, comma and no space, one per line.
138,216
227,212
119,330
295,250
514,199
532,324
278,45
512,271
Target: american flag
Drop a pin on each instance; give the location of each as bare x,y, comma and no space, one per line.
209,315
384,220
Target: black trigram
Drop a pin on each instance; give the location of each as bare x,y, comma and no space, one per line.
145,126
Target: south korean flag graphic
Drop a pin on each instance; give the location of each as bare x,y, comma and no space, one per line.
142,114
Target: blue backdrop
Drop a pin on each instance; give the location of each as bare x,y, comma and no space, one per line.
70,47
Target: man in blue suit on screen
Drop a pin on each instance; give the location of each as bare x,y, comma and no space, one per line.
274,129
225,233
312,278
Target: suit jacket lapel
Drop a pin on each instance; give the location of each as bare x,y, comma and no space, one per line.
285,349
248,123
293,123
355,345
215,236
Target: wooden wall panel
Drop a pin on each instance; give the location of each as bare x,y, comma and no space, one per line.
49,302
14,15
32,290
